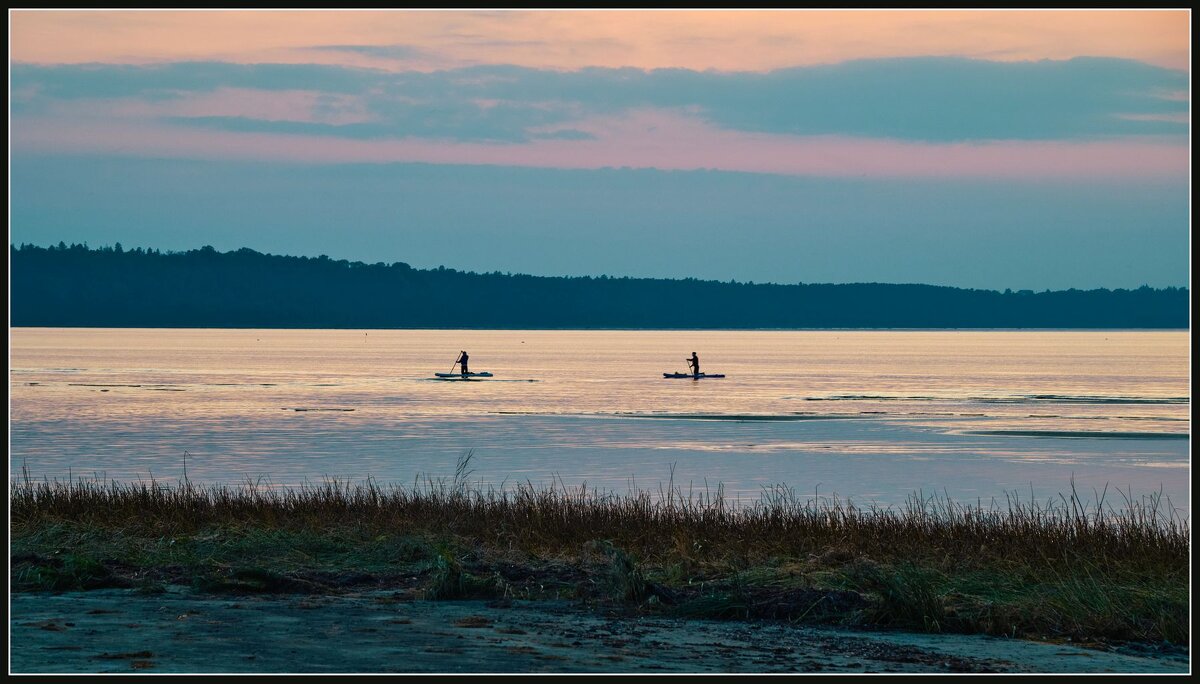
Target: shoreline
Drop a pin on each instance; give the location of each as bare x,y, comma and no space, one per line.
864,458
115,631
1062,573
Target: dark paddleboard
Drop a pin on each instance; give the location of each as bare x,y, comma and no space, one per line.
484,374
693,377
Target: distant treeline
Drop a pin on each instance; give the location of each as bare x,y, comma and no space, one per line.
112,287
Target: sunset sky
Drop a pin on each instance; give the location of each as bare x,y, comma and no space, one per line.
1023,149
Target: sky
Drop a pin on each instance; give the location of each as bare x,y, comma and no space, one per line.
986,149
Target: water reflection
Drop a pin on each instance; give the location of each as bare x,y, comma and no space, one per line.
880,412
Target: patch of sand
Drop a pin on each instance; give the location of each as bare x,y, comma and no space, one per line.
178,631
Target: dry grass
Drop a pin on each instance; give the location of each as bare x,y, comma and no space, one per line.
696,524
1065,566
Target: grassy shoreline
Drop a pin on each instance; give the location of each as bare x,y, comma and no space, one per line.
1087,571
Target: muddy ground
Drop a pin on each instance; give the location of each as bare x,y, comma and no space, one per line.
122,630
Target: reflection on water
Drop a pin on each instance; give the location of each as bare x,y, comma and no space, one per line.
971,412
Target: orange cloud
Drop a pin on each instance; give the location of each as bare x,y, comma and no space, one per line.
731,40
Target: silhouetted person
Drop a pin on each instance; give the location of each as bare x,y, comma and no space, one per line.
463,360
694,364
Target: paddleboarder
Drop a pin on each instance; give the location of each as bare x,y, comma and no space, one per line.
463,361
694,364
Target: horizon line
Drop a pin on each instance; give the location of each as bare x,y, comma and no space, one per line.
732,281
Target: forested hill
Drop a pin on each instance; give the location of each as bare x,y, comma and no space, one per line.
111,287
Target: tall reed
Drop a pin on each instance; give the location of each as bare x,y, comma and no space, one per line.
1133,530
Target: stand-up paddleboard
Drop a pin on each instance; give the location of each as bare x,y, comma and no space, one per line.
460,376
693,376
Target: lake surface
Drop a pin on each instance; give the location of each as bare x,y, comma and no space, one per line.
871,415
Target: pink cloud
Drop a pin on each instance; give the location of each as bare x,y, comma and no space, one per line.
644,139
278,105
1172,118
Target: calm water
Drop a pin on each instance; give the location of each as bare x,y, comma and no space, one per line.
873,415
